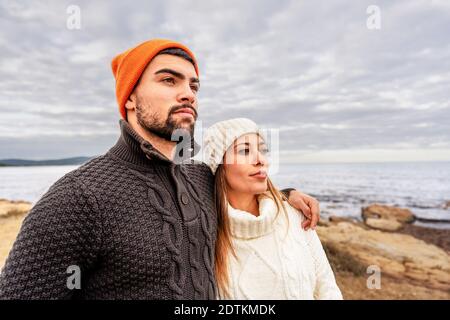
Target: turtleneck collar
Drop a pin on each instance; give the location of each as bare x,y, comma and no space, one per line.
131,147
245,225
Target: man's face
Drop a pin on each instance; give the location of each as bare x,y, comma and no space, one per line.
165,98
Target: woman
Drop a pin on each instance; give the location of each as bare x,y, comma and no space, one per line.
261,252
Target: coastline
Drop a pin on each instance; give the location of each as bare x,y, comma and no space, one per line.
414,260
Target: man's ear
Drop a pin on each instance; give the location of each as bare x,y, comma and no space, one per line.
130,104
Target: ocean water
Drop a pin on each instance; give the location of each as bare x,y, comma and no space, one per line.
29,183
342,189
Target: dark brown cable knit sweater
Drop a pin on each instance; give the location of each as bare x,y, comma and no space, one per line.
137,225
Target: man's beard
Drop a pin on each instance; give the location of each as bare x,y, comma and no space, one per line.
165,129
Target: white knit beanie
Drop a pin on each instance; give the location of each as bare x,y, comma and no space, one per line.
221,135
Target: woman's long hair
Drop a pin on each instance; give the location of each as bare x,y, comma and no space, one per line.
224,244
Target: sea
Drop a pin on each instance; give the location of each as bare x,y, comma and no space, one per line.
343,189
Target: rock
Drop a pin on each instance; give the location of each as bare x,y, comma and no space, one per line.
397,255
12,208
383,224
337,219
323,223
388,212
446,205
438,237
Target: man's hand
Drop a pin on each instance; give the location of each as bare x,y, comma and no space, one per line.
308,205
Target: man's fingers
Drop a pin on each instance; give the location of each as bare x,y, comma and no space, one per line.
304,208
306,224
309,207
315,213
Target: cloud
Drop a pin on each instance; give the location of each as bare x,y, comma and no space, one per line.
312,70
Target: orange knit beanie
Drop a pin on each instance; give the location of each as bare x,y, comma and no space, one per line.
128,66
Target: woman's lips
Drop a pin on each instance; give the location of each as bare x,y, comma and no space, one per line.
261,174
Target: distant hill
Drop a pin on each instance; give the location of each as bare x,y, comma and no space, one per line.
56,162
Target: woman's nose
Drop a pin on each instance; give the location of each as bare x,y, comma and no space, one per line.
260,159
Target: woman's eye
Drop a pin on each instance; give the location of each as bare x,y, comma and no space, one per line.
244,152
264,151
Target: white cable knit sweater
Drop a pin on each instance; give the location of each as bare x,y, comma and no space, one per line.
277,259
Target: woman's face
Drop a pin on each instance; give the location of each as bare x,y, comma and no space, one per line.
246,165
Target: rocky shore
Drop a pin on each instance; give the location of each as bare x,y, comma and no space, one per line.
413,262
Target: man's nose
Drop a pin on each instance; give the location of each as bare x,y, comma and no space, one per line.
186,95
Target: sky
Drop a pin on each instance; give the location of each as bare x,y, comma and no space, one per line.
339,81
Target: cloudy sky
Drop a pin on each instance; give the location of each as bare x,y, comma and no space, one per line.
335,89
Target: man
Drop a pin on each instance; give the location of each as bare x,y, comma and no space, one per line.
130,224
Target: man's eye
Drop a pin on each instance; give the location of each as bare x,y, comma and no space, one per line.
194,88
169,80
264,151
